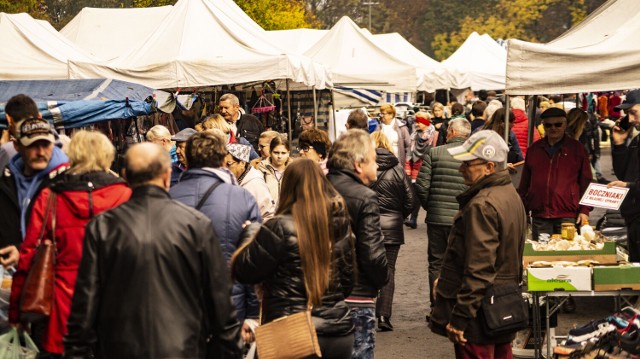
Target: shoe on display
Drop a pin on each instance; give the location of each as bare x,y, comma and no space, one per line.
384,325
593,329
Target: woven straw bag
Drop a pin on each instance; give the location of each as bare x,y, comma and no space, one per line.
289,337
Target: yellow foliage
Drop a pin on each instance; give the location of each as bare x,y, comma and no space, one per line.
276,14
510,19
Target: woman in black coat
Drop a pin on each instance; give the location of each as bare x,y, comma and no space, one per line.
304,255
396,201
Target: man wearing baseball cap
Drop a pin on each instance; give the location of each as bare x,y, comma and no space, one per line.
627,169
37,159
484,249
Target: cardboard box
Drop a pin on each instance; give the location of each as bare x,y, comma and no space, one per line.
606,255
616,277
550,279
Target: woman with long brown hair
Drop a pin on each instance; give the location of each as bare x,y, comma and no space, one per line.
304,256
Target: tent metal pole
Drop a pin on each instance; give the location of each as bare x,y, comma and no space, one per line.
532,119
315,108
507,104
332,116
289,111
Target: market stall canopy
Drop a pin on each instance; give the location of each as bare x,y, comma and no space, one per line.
599,54
482,60
204,43
109,33
71,90
33,50
76,114
434,74
296,41
356,61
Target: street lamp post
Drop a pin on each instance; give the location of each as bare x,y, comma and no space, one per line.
370,3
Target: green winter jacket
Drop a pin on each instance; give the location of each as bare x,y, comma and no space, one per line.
439,182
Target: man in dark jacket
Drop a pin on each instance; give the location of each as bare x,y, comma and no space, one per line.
556,173
181,142
243,125
38,160
438,184
153,282
484,250
226,204
352,167
627,168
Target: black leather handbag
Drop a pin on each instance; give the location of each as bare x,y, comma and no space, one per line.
504,309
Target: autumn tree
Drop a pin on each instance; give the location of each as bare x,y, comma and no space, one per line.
277,14
529,20
35,8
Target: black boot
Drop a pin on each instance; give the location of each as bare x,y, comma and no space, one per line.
411,222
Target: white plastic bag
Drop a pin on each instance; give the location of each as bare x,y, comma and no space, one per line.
10,347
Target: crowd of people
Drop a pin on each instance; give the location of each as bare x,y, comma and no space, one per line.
215,230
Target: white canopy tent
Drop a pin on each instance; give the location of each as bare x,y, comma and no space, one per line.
204,43
296,40
434,74
34,50
482,61
599,54
356,61
102,33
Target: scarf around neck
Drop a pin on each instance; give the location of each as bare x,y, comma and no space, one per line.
422,141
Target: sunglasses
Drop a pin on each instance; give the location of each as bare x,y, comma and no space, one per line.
304,148
555,124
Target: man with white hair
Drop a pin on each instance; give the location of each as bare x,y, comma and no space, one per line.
352,168
484,248
243,125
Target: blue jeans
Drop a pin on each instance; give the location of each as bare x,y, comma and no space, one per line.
364,319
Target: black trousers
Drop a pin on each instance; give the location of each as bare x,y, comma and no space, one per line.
437,237
336,347
633,240
384,304
547,225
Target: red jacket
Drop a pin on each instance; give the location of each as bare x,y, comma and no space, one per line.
76,204
551,187
521,129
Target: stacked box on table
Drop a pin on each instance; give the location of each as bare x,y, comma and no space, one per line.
550,279
606,255
616,277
